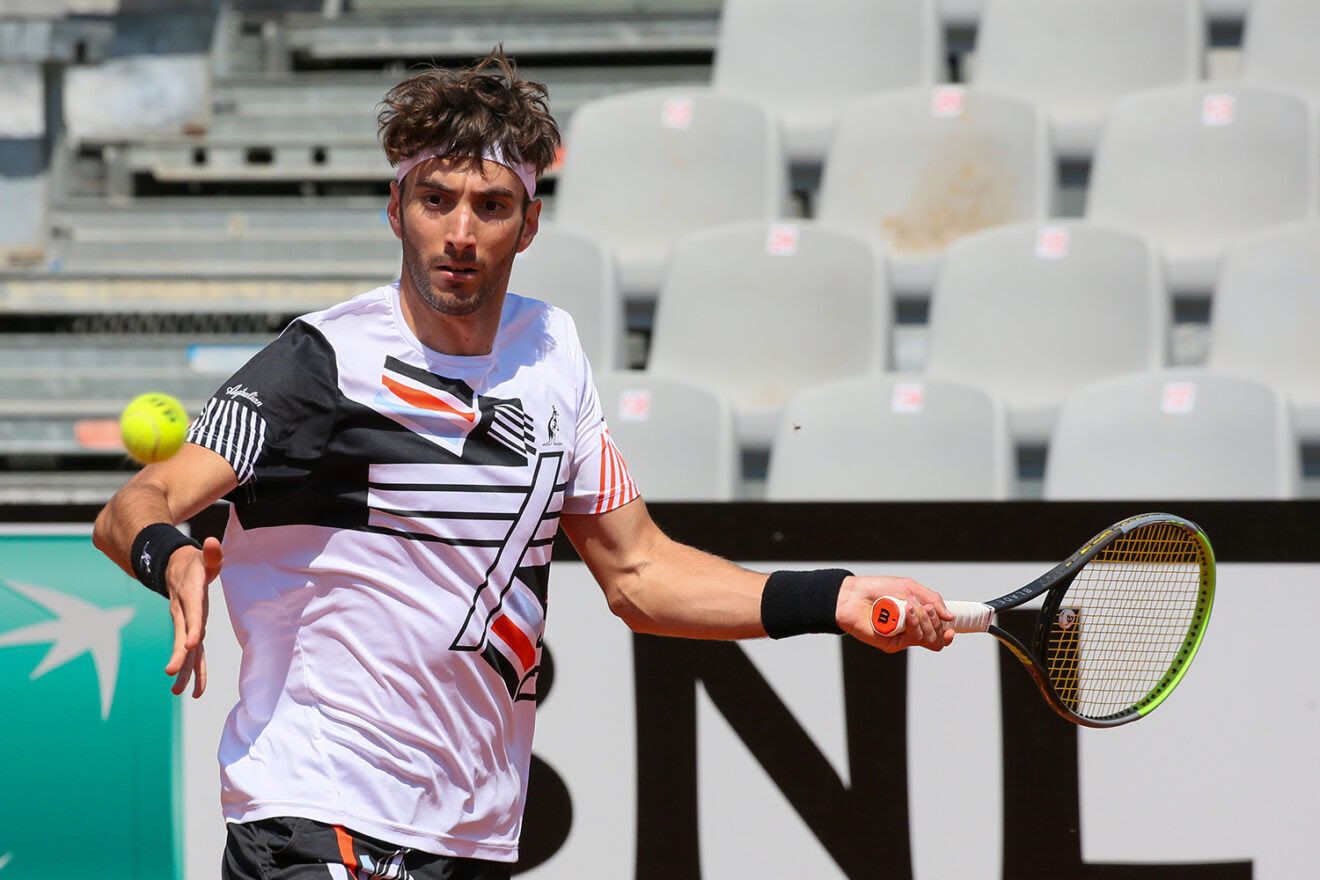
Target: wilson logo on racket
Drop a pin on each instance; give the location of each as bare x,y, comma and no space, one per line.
888,615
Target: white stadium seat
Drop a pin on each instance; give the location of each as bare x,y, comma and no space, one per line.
1266,316
1195,167
1279,45
1074,58
892,438
677,437
842,51
1178,434
577,274
1030,313
920,168
643,169
758,311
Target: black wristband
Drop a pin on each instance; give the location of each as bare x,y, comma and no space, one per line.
151,553
798,602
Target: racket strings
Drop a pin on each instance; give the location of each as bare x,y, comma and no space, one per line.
1123,623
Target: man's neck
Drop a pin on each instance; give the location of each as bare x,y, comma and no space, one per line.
460,335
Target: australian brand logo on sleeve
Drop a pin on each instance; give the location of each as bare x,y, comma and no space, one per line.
236,391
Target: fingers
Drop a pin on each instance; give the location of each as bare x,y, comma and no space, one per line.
928,617
922,626
932,600
194,615
213,558
927,624
180,652
185,673
189,607
925,628
193,669
199,676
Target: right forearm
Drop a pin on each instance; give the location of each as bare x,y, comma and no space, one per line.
168,492
133,508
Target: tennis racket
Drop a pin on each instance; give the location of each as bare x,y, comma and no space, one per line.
1119,625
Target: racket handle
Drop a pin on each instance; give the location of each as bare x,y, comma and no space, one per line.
889,616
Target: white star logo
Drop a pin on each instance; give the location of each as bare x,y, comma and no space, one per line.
79,628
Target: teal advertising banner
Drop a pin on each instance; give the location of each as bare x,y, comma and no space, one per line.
89,729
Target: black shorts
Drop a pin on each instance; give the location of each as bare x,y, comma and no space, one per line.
284,848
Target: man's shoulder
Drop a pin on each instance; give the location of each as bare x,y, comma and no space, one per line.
522,311
366,305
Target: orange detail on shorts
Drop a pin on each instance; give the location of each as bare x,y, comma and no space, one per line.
885,616
346,856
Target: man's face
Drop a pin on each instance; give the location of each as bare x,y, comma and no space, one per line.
461,229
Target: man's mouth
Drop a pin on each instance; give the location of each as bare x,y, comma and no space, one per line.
458,272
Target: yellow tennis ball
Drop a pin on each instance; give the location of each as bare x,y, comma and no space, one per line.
153,426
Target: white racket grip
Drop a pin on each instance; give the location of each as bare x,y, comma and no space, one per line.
970,617
889,616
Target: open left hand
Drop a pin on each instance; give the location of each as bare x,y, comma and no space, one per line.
189,577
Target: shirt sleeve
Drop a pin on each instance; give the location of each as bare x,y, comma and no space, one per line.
274,415
598,476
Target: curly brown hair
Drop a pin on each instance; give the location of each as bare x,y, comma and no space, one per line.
469,109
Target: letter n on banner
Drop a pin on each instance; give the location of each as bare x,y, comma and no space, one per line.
843,818
1042,796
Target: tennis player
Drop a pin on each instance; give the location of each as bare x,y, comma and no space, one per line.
398,467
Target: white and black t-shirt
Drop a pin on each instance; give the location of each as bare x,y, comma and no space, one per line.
386,566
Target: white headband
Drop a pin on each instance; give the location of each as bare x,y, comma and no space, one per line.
494,153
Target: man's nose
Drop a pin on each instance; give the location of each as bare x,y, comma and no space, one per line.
460,235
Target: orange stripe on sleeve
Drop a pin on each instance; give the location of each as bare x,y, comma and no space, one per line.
614,475
600,486
627,488
620,492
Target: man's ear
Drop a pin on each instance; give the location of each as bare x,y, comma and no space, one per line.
531,223
394,207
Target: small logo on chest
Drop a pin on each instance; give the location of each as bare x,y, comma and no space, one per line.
552,428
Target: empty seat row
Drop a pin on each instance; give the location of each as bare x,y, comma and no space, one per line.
1192,168
1073,58
1161,435
757,311
760,310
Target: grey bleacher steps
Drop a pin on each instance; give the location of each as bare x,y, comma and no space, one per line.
601,33
315,133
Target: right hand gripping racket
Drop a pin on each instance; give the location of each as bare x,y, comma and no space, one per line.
1120,622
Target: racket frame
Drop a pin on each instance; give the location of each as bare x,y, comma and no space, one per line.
1054,584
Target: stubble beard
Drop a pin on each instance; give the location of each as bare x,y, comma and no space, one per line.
449,304
441,301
